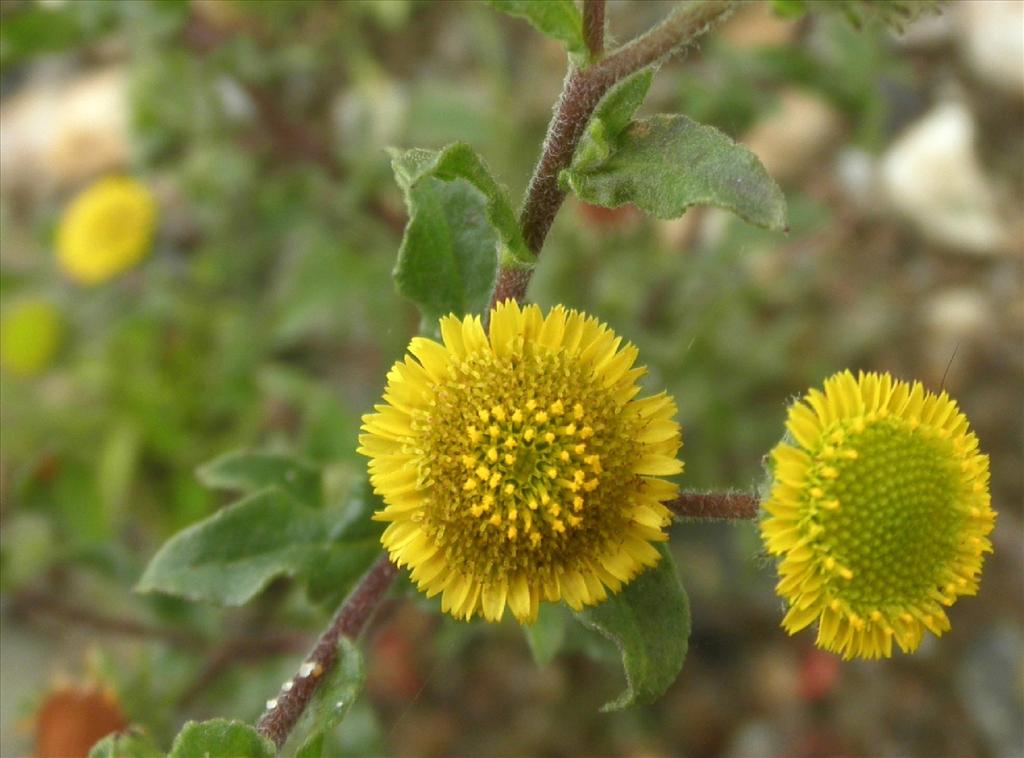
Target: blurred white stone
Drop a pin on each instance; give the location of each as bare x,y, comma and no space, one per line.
857,172
791,138
931,176
58,133
372,113
990,35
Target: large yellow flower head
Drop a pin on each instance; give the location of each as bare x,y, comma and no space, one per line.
516,465
879,511
106,229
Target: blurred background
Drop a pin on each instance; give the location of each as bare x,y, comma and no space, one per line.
264,316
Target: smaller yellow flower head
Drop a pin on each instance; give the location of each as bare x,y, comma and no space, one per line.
516,466
30,333
879,511
106,229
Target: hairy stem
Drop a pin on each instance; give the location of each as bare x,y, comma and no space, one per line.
593,27
718,506
583,89
283,712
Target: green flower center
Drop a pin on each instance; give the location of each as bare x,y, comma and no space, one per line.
527,462
887,510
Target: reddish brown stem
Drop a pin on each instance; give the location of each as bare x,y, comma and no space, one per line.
719,506
283,712
583,89
593,27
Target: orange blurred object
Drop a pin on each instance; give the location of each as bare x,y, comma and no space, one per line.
73,719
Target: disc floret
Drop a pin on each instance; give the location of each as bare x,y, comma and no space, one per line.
516,466
879,511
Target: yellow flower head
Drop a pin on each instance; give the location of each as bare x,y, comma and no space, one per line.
880,512
517,466
30,333
106,229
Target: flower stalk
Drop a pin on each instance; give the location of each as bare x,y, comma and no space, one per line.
715,506
283,712
583,90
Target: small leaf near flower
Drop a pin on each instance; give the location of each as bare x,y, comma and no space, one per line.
649,622
558,19
667,164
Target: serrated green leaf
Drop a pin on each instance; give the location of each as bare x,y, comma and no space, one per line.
129,744
220,738
232,555
558,19
667,164
611,117
333,699
547,634
456,233
649,622
248,471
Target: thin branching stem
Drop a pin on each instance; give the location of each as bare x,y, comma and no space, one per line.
593,28
283,712
716,506
581,93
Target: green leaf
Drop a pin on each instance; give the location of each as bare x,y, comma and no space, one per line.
611,117
547,634
247,472
232,555
447,260
649,622
666,164
333,699
220,738
355,543
129,744
459,216
34,30
895,14
558,19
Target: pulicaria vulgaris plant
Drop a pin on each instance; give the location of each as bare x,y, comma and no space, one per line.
514,463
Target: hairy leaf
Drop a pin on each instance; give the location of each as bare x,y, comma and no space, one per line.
649,622
220,738
460,223
611,117
558,19
333,699
232,555
125,745
247,471
667,164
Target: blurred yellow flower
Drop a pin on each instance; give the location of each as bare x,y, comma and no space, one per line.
30,333
880,512
106,229
516,465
